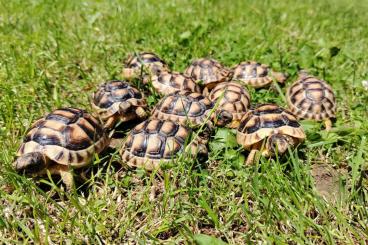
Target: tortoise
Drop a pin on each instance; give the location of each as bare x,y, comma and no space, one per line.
209,71
231,102
118,100
143,65
256,75
65,139
170,82
312,98
183,107
156,141
270,129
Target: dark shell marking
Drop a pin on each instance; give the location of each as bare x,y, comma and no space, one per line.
115,91
265,120
153,141
183,106
66,135
208,71
311,98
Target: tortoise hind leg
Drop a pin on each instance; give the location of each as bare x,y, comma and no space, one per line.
328,124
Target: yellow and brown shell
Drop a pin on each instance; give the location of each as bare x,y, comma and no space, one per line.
231,100
209,71
142,64
153,142
266,120
183,107
67,136
311,98
110,96
170,82
255,74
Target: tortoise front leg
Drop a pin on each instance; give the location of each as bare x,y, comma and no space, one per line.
328,124
66,175
251,156
141,113
110,123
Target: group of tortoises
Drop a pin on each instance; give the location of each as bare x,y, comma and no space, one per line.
206,95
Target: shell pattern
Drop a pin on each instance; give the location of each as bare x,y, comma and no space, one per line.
266,120
183,107
154,141
67,136
167,83
311,98
109,96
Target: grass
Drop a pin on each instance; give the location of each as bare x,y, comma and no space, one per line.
54,54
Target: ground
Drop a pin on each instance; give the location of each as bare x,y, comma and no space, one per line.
54,53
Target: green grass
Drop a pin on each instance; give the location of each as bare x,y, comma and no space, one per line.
54,54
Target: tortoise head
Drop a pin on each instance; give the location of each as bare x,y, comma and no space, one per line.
223,118
30,163
279,143
280,77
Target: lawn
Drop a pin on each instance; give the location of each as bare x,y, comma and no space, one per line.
54,54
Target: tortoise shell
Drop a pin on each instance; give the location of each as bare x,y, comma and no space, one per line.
153,142
264,121
255,74
143,64
231,98
67,136
311,98
168,83
183,107
110,96
209,71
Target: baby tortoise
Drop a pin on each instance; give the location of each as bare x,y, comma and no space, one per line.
312,98
143,65
209,71
66,138
256,75
231,101
183,107
118,101
271,126
155,141
170,82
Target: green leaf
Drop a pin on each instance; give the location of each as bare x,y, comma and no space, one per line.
201,239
